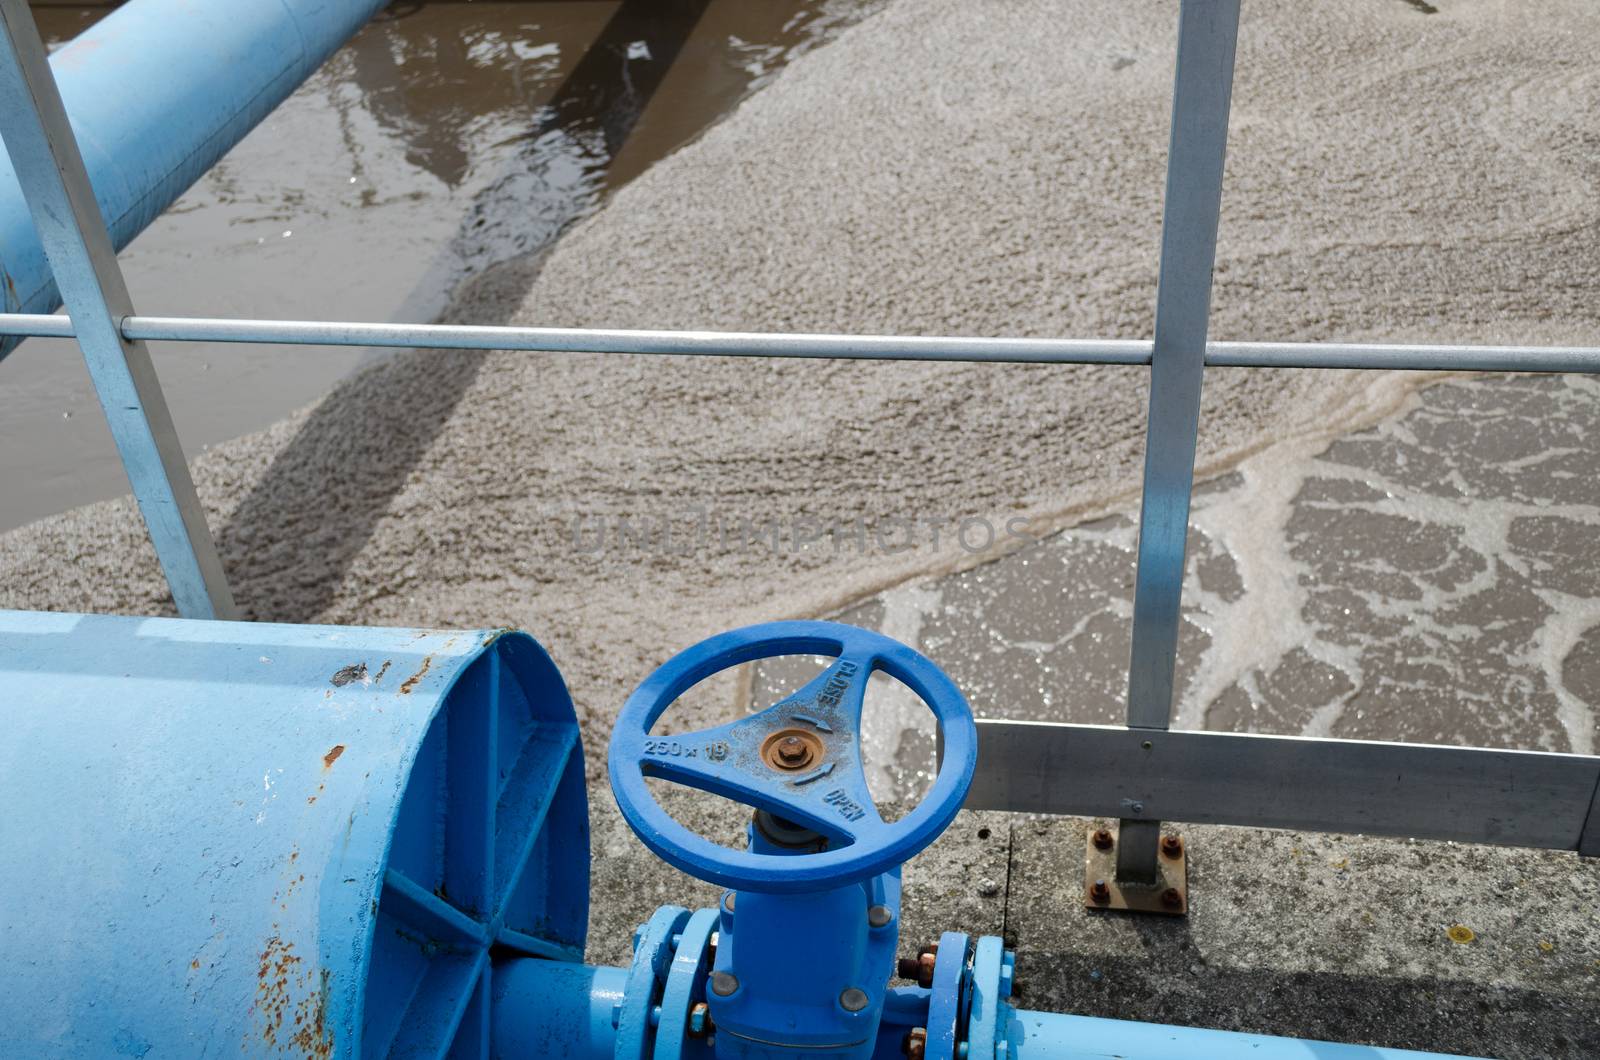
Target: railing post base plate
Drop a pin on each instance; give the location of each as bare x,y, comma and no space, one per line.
1168,895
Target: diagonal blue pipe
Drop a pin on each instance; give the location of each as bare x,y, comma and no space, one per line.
157,92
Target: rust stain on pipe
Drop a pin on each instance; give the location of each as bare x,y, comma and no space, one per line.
411,682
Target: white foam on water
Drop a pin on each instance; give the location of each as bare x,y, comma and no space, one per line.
1571,617
1448,627
1253,632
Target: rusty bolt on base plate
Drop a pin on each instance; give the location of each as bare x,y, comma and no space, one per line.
1169,894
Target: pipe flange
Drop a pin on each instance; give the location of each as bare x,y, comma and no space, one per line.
651,954
686,984
946,1005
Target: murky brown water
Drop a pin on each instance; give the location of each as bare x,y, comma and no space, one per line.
445,138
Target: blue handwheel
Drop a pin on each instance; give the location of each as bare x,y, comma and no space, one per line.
799,759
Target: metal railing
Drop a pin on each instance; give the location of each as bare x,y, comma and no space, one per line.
1140,773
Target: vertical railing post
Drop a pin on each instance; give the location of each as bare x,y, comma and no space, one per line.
49,166
1202,87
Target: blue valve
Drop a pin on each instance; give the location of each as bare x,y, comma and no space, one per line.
799,760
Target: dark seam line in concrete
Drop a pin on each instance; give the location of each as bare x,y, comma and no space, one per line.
1005,903
1589,836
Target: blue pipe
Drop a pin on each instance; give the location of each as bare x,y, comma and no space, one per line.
240,838
565,1011
1052,1036
157,92
556,1010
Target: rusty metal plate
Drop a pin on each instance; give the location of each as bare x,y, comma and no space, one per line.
1101,865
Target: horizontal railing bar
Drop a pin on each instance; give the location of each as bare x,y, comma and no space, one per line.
1403,357
38,325
1390,356
588,340
1472,795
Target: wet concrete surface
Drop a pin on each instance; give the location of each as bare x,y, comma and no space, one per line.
444,140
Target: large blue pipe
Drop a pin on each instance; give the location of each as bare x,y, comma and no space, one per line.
157,92
246,839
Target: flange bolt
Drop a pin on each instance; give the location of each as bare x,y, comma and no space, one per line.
1103,839
919,968
1171,846
1099,892
699,1020
915,1043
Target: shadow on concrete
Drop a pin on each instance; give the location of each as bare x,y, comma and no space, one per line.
1427,1014
293,537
